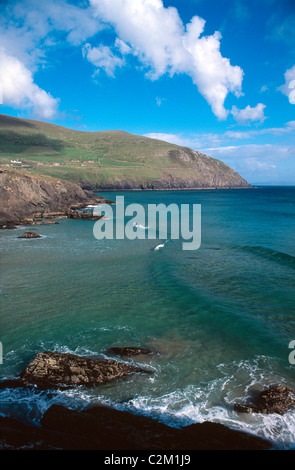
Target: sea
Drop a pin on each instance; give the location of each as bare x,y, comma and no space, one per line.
219,319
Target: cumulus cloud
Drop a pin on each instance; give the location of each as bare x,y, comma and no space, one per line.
39,20
18,88
213,74
248,114
153,34
27,30
163,44
289,86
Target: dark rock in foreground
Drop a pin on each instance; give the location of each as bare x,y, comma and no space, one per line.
30,235
276,399
11,383
102,428
58,370
128,351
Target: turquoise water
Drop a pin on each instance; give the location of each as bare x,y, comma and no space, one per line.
221,318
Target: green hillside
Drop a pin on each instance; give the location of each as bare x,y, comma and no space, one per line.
108,159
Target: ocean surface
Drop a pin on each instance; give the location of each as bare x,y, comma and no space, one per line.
220,318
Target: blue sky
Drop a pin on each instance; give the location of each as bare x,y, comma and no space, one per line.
215,75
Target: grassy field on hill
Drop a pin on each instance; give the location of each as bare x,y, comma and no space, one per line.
107,158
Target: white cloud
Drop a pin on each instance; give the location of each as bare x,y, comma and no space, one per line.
255,162
273,152
155,35
248,114
103,58
214,140
264,88
174,139
160,100
19,90
123,47
213,74
162,43
27,30
40,19
259,163
289,86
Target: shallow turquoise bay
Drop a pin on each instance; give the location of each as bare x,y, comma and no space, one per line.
221,317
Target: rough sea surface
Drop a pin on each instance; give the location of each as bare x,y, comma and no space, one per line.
220,318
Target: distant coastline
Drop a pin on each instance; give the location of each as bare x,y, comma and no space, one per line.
171,189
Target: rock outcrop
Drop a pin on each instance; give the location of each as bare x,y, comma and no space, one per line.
276,399
101,427
26,198
58,370
30,234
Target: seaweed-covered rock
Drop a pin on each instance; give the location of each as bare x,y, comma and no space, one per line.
128,351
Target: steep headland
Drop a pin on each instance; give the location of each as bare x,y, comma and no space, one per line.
108,160
26,197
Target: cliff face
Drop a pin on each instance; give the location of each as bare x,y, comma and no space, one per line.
189,170
24,195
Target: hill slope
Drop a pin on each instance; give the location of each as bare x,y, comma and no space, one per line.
109,159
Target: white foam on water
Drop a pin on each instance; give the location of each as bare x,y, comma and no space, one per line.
178,409
160,246
215,401
208,401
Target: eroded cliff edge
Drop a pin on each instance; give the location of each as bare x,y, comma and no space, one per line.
25,196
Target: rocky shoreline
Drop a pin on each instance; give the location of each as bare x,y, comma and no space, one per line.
105,428
31,200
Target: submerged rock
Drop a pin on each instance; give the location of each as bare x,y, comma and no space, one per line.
276,399
56,370
30,235
128,351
